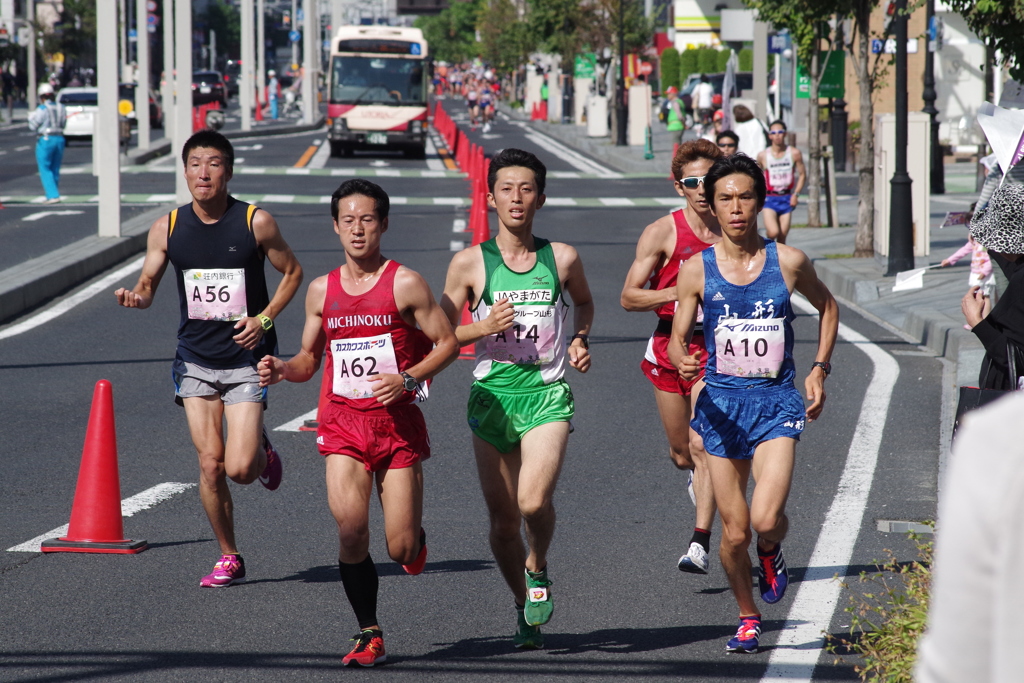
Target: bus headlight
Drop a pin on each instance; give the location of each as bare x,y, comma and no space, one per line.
416,127
340,125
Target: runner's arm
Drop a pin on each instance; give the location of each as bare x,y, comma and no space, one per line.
307,361
153,267
576,285
268,237
801,175
412,295
689,288
459,291
808,284
649,253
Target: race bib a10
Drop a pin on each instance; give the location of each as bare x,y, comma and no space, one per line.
215,293
750,348
357,361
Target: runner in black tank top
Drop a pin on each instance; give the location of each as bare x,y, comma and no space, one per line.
217,246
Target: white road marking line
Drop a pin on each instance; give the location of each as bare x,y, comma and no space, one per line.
343,171
129,506
432,174
399,200
570,155
248,148
321,156
159,198
456,245
279,198
671,201
616,201
450,201
801,641
564,174
325,199
239,160
388,173
296,171
560,201
65,305
459,225
43,214
22,149
252,170
433,163
293,425
76,170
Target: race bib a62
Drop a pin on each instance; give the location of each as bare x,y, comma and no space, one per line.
357,361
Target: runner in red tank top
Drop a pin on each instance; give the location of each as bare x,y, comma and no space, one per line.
378,321
665,244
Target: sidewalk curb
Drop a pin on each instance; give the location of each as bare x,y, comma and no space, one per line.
35,281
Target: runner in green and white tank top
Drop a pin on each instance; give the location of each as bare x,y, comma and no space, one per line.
530,354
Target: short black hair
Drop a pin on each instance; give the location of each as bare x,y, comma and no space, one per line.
737,163
727,134
511,156
381,201
213,140
778,122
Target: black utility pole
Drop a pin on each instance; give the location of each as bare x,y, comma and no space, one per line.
620,90
901,209
938,172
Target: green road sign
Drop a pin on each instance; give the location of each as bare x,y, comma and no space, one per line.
833,82
586,65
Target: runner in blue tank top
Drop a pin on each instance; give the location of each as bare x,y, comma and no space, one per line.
750,413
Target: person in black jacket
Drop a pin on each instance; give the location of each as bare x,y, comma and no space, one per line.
999,227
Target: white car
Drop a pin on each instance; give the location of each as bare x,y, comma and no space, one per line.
80,104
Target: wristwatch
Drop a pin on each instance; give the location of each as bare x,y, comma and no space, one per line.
265,322
409,382
824,365
583,338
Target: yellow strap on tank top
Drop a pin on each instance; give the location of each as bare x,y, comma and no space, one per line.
173,220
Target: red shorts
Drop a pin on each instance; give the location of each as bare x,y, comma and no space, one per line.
662,373
383,439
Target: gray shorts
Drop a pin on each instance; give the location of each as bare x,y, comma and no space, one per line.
235,385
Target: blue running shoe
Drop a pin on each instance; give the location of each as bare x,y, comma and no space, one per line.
747,635
772,576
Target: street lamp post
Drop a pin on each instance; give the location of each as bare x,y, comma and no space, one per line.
620,90
938,174
901,212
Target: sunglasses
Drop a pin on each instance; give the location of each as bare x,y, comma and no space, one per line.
723,145
692,182
776,132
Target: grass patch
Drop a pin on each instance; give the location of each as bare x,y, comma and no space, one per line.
830,256
888,617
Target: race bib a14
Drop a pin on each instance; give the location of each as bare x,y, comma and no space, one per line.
750,348
357,361
215,293
531,339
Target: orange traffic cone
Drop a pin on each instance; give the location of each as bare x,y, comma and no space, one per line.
96,522
259,108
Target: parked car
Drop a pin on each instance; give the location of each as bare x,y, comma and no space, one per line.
126,91
232,72
81,106
744,81
208,86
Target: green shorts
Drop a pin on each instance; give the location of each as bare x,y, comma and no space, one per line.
501,419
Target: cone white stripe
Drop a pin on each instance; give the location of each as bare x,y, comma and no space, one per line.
129,506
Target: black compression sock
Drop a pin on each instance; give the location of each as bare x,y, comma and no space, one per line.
702,536
361,585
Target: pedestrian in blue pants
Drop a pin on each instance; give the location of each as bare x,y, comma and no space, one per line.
47,122
273,91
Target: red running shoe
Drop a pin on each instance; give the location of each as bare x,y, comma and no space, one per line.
420,562
369,649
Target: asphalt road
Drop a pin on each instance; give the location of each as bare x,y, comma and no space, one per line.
623,610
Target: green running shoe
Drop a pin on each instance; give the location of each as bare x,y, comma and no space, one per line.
539,606
527,637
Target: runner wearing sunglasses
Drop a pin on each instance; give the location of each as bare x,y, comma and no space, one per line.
650,286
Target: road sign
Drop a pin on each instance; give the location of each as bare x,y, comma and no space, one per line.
151,6
779,43
833,81
586,65
124,107
646,68
294,36
889,47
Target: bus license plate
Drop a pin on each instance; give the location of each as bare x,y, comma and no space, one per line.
205,89
377,138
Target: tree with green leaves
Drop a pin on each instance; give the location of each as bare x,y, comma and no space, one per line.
451,34
670,68
1000,23
74,35
226,22
504,37
807,21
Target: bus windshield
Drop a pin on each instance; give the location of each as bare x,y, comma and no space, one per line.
376,80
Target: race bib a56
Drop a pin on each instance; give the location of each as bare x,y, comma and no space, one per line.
215,293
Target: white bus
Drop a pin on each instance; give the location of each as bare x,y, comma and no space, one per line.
377,93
